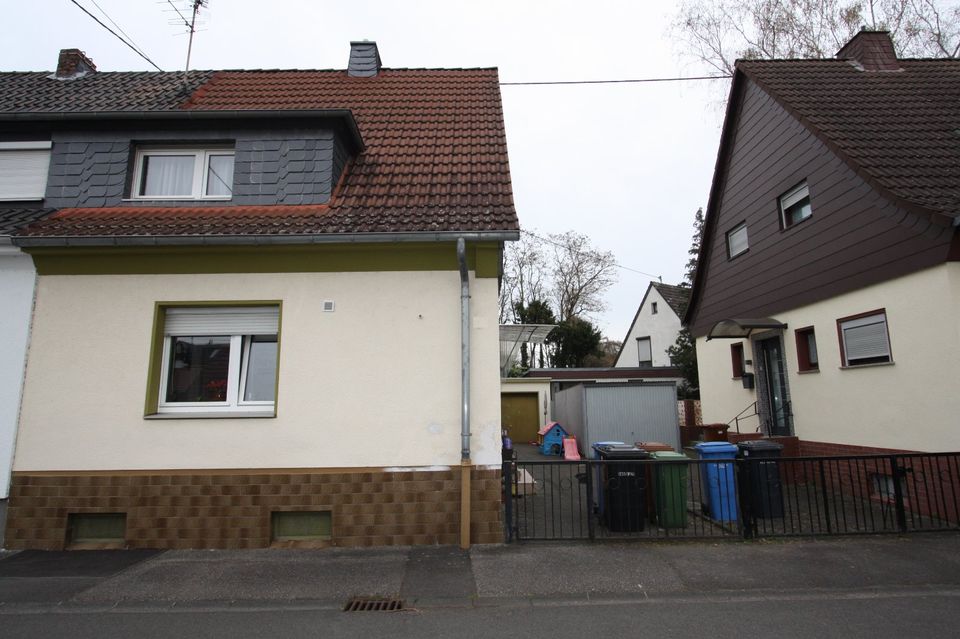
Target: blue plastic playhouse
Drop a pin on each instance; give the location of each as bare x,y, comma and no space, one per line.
551,438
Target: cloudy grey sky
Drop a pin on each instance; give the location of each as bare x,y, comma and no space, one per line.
626,164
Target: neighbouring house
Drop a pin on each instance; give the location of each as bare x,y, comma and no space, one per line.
655,327
266,306
18,207
827,290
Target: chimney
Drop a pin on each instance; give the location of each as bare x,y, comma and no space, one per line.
74,63
871,51
364,59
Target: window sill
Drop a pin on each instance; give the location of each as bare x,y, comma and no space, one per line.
168,200
810,371
874,365
249,414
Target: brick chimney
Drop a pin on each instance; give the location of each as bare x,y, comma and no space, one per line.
364,59
74,63
871,50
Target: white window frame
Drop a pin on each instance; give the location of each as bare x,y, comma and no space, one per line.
746,240
41,149
238,363
201,163
878,317
792,197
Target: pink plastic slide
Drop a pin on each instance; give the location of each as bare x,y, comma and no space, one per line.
570,452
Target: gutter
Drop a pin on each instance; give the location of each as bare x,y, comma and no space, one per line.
190,114
28,241
465,470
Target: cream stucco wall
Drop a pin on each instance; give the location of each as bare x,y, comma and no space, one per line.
375,383
910,404
662,328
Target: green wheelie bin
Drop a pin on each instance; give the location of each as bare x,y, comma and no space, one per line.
670,488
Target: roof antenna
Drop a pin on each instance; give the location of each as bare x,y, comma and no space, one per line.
191,25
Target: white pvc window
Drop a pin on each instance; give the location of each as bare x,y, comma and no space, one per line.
219,360
795,205
737,240
183,174
865,340
24,167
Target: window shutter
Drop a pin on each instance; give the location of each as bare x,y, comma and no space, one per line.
643,348
866,337
737,241
253,320
23,172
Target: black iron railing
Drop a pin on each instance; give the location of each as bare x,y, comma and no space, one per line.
741,498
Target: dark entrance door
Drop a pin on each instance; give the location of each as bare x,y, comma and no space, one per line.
774,406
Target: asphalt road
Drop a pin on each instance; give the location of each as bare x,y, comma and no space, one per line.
868,614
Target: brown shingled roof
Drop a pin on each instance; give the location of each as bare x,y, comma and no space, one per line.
676,296
435,158
899,129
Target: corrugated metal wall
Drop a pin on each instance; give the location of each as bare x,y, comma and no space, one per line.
568,411
631,413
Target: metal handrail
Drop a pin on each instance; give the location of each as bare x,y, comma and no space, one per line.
736,419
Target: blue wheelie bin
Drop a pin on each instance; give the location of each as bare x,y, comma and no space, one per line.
717,484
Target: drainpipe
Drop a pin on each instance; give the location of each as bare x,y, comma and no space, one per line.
465,394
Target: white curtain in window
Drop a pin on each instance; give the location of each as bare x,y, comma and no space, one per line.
220,175
168,175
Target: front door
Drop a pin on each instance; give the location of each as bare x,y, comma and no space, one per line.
773,401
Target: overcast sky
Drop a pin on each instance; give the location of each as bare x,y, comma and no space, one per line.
626,164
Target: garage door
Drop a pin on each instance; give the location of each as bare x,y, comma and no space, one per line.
520,415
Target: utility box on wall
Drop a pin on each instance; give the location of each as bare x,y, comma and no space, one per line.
625,411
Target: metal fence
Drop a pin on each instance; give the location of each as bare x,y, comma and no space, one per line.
741,498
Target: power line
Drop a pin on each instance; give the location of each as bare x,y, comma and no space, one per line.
631,81
139,49
558,245
133,48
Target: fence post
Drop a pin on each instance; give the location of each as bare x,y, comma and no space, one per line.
897,473
591,523
745,495
826,501
507,475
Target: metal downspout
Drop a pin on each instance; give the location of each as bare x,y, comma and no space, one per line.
465,394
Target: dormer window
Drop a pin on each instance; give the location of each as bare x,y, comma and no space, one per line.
795,205
23,170
183,174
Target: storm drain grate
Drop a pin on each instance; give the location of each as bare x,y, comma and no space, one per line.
373,604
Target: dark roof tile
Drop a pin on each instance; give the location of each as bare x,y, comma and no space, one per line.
12,219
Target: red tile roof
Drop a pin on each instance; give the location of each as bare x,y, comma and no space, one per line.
435,158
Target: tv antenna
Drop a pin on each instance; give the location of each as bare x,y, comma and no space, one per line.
194,7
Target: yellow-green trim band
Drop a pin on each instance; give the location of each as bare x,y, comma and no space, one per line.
483,258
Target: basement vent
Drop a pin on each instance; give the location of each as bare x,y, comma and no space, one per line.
373,604
329,306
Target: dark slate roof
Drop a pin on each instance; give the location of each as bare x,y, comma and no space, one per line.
40,92
12,219
435,158
899,129
676,296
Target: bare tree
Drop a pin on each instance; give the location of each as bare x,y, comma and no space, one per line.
717,32
580,275
525,274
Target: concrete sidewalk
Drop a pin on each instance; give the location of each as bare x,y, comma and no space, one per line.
515,575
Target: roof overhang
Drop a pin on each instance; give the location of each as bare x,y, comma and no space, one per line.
30,241
345,116
513,335
740,328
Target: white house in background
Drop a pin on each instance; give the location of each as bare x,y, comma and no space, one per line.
655,327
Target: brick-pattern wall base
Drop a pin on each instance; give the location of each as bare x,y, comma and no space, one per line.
232,509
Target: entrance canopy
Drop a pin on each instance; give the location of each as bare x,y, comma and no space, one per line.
739,328
513,335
